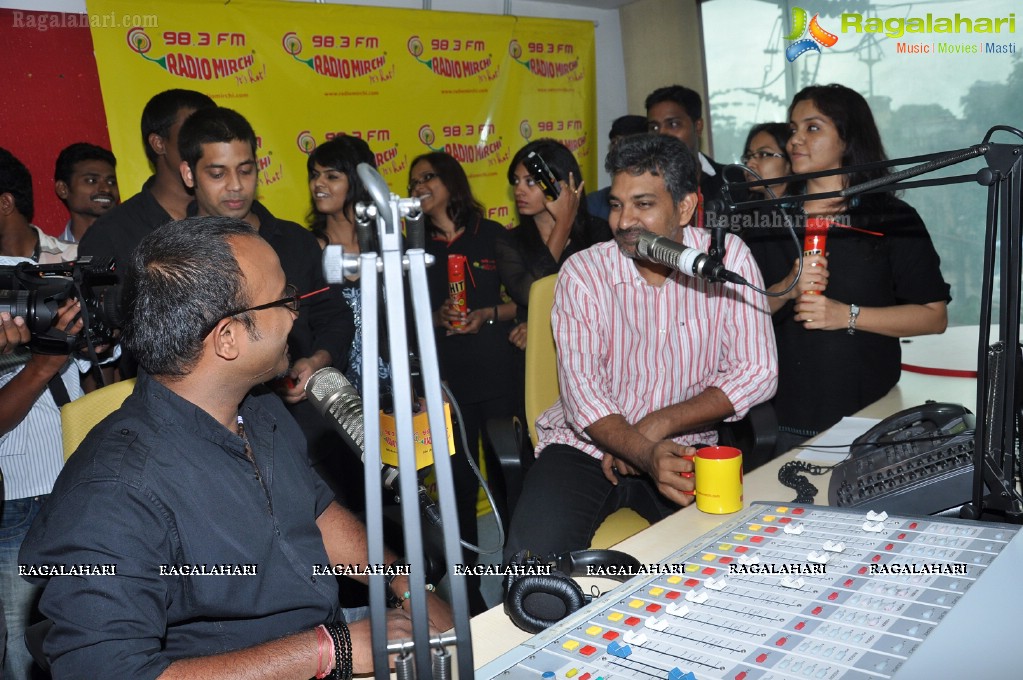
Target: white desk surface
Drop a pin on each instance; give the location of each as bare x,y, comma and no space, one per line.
494,634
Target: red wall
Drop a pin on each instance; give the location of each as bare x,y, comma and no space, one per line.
51,99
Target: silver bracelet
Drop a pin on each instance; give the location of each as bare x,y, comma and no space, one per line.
854,313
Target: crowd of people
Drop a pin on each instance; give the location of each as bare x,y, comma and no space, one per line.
217,457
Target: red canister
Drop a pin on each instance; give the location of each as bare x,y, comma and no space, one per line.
815,239
456,284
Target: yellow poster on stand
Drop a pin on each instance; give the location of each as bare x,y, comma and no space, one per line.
407,81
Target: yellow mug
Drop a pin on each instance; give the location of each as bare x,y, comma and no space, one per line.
718,471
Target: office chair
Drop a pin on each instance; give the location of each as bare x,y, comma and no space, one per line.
754,435
84,413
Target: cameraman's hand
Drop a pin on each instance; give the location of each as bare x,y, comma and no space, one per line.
69,320
13,332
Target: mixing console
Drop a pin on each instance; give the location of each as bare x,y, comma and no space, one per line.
801,592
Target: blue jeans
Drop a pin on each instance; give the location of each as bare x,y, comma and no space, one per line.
19,597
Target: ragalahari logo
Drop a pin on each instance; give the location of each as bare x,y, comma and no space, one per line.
818,36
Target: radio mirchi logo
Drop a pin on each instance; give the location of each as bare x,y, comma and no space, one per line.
198,67
547,66
467,142
818,36
373,66
455,58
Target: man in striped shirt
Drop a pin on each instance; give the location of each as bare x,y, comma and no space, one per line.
649,360
31,453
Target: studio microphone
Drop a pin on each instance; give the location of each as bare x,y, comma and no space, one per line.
689,261
337,400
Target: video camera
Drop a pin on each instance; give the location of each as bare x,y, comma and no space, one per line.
36,291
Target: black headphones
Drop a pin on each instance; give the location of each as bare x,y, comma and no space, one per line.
537,601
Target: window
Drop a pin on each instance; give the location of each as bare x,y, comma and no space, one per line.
944,98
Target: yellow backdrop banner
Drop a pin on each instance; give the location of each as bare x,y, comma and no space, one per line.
407,81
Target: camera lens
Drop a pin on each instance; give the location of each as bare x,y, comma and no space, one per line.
24,303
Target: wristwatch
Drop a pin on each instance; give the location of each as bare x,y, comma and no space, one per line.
854,313
492,320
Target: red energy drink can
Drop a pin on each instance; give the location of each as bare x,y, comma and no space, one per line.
815,239
456,284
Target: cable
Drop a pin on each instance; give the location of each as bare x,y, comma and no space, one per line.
788,223
789,475
476,471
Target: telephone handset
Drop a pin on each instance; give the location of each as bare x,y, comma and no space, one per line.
930,420
917,461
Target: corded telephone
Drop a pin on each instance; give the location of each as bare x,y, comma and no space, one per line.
918,461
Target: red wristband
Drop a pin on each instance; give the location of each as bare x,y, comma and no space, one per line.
324,643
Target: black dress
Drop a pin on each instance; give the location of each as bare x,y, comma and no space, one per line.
826,375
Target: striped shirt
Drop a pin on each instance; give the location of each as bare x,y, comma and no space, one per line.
627,347
32,454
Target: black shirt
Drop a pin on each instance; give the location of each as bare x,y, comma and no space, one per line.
325,321
118,233
825,375
161,484
483,365
522,257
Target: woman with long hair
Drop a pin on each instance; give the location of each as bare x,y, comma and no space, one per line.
878,280
549,231
483,370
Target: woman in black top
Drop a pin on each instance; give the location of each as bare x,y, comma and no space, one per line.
335,188
838,329
549,231
483,370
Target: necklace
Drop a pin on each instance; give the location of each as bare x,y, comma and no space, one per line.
252,459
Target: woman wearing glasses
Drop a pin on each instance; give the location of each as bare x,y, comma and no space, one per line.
765,155
878,280
549,231
482,369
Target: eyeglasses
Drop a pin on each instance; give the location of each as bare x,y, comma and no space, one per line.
291,302
422,179
760,156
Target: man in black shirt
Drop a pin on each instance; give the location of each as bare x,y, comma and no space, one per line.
678,111
187,536
218,161
163,197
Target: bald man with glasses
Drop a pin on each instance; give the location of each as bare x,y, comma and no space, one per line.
188,535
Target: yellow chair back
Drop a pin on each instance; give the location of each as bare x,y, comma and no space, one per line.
543,389
542,386
81,415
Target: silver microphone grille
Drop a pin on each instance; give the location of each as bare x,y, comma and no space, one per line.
347,410
336,398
